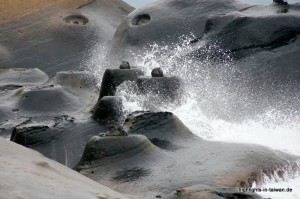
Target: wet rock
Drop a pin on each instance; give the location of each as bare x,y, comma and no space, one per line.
114,77
124,65
157,72
61,138
104,150
131,167
165,88
250,60
163,126
45,177
115,130
109,110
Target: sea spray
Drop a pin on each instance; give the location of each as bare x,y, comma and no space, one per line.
220,103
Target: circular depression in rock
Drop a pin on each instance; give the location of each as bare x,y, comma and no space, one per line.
141,19
76,19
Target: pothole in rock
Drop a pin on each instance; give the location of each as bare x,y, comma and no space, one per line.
141,19
76,19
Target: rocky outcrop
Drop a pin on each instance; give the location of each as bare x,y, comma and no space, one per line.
161,154
150,153
52,117
56,35
251,51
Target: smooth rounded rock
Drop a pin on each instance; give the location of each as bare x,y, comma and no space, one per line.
109,109
22,76
104,150
124,65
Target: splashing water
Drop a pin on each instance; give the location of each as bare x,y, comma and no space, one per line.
222,102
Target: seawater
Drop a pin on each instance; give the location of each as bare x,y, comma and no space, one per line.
215,91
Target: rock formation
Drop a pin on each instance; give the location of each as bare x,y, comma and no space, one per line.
142,154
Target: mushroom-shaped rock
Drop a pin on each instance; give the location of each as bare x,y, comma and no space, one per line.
109,109
50,99
124,65
131,172
22,76
105,150
114,77
166,88
157,72
164,129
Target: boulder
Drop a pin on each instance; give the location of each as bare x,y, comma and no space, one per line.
124,65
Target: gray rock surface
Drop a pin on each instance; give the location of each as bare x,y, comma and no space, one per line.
28,174
251,51
56,36
161,155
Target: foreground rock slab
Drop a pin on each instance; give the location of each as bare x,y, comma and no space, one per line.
30,175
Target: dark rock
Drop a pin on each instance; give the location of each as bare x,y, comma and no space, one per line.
115,130
32,134
165,88
158,126
157,72
109,110
124,65
141,19
104,150
62,138
114,77
283,2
